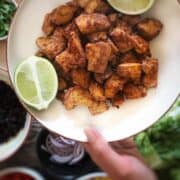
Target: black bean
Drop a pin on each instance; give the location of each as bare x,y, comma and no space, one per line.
12,114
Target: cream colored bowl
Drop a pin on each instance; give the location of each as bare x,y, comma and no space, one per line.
115,124
8,149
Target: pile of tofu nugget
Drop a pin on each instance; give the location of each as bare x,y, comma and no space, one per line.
102,57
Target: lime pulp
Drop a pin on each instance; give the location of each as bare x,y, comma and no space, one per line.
131,6
36,82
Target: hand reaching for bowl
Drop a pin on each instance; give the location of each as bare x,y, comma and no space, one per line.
120,160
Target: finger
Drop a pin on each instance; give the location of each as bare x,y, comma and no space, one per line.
124,146
95,143
92,134
127,147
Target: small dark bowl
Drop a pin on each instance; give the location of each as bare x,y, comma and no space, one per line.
63,172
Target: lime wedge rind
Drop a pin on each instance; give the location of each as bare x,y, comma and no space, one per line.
132,12
33,101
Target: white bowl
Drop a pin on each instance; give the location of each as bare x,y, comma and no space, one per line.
8,148
15,3
32,173
134,116
92,175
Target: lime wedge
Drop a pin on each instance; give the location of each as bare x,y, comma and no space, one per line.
36,82
131,7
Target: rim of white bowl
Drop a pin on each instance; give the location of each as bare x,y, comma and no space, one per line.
28,171
6,36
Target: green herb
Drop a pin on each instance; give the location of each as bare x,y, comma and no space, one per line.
7,10
160,145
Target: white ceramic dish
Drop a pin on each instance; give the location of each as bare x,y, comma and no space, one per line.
92,175
15,3
115,124
24,170
7,149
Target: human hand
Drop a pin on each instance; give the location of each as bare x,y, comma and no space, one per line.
120,160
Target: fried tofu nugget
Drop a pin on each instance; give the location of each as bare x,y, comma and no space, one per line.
125,40
97,91
59,35
113,60
51,46
80,77
132,91
97,6
150,68
98,36
82,3
98,108
122,39
101,78
48,26
74,56
63,14
149,28
150,80
131,20
98,55
75,47
140,45
124,26
66,61
70,28
78,96
90,23
92,6
131,71
118,100
113,85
